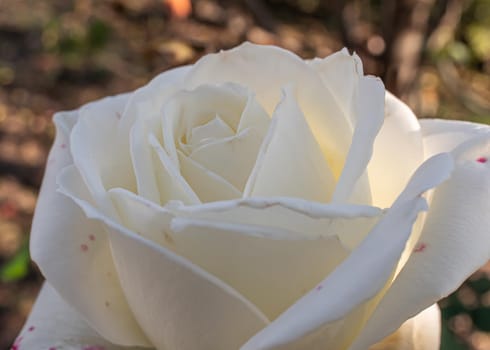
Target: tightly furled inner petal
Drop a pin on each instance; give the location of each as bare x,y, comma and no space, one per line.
215,130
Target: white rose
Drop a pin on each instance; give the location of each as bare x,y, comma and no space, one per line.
236,204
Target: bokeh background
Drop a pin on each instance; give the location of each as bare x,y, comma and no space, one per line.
58,54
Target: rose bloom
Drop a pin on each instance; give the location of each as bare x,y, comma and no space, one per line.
252,201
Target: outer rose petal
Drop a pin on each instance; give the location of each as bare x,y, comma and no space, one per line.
445,135
368,108
398,151
422,332
340,73
335,311
55,325
172,298
290,161
270,266
147,101
455,241
72,251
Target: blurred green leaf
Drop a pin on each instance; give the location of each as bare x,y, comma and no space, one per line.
448,340
98,35
481,318
459,52
477,35
18,267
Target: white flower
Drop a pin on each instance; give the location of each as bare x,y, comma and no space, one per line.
239,204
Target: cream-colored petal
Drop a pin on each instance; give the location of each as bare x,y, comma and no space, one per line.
290,162
453,244
189,109
340,72
171,183
271,266
445,135
254,116
171,297
143,165
422,332
53,324
83,271
179,305
73,253
147,101
335,311
369,111
268,266
309,321
98,152
269,271
398,151
215,129
231,158
289,218
207,185
266,70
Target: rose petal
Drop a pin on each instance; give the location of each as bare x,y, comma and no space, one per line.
264,263
445,135
422,332
269,271
232,158
147,101
398,151
336,310
288,218
290,162
456,231
340,73
254,116
215,129
312,320
368,108
54,325
171,183
187,110
97,151
245,65
188,308
63,248
142,157
184,297
208,185
271,267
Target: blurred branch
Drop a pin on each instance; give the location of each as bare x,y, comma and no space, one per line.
262,14
445,30
406,39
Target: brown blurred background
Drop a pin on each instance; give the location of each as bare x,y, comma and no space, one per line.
58,54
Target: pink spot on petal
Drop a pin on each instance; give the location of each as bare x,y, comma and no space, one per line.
319,287
31,328
63,145
91,237
83,247
420,248
52,348
16,344
482,160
